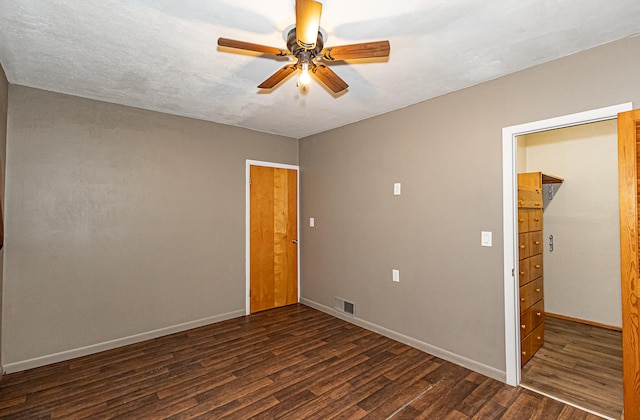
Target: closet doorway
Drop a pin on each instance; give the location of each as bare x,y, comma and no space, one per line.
581,360
510,226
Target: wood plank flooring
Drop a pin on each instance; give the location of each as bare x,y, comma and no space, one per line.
579,363
289,363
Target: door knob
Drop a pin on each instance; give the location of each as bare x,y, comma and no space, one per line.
295,241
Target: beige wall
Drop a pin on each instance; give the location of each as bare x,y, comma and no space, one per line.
447,154
4,102
120,222
521,156
582,275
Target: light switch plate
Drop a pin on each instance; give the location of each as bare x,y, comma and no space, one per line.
395,275
312,221
397,188
486,239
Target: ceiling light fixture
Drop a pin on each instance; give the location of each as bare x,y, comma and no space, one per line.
305,77
305,42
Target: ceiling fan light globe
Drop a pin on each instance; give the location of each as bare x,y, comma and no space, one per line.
305,77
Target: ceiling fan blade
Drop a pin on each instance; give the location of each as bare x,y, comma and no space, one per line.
364,50
330,78
277,77
307,22
241,45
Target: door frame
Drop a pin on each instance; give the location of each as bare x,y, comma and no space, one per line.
509,210
247,228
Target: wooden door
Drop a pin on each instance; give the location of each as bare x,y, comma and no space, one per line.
628,172
273,237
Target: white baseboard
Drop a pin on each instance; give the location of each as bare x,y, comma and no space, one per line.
95,348
489,371
108,345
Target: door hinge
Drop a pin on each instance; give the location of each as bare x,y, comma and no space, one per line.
249,181
513,272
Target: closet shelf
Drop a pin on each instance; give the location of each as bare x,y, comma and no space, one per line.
550,179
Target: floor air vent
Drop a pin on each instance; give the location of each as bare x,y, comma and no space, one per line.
344,306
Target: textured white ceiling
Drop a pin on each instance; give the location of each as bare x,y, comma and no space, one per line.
162,54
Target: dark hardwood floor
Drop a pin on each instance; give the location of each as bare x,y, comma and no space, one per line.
290,363
579,363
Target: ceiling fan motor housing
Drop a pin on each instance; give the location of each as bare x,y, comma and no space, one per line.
304,55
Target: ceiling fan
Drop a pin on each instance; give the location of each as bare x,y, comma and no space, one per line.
305,42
